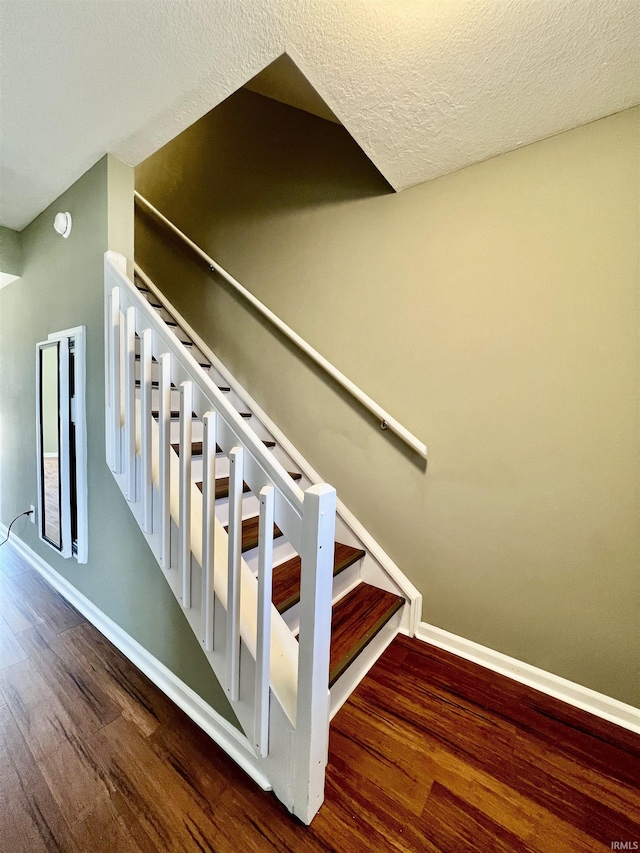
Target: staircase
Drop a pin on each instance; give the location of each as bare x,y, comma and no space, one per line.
291,600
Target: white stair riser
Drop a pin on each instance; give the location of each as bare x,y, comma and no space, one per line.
342,584
193,350
255,425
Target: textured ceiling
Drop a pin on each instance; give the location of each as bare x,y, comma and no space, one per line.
284,82
424,86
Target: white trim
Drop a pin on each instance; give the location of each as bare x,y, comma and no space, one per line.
79,336
228,738
78,416
560,688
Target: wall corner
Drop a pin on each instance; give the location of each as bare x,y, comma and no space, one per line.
11,259
120,210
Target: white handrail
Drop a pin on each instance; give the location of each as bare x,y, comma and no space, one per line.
387,422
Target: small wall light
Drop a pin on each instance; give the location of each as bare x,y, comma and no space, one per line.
62,224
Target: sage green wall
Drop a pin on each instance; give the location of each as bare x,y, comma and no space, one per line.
62,287
10,251
494,312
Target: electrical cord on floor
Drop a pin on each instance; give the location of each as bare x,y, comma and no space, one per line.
28,512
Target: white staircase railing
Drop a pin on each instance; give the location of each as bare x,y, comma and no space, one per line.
278,687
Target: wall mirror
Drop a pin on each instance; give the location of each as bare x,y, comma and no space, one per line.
62,442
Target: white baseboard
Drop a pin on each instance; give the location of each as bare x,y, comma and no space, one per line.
546,682
228,738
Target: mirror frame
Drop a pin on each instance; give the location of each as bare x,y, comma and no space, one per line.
72,442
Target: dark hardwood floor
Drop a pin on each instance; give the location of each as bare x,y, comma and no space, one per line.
431,753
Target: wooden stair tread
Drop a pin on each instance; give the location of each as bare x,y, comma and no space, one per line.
286,576
355,621
155,383
222,485
174,414
203,364
196,447
250,533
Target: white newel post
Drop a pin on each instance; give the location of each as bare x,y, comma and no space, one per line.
316,584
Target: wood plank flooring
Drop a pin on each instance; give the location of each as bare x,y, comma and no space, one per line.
431,753
355,620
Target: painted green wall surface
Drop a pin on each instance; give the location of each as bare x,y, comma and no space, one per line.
10,251
494,312
61,287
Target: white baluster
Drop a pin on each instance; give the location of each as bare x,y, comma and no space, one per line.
165,465
208,523
233,572
115,426
316,584
145,430
186,409
130,402
263,648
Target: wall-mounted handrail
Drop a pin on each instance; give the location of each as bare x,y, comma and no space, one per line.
387,422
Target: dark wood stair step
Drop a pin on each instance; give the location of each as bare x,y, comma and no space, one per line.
160,308
204,364
196,447
250,533
156,384
176,414
222,485
355,621
286,576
